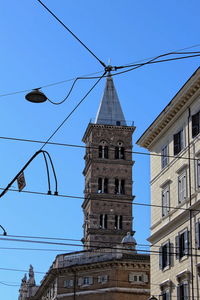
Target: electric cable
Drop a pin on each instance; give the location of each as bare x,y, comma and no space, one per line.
74,109
54,132
94,77
95,247
67,28
104,200
174,50
96,148
51,84
159,56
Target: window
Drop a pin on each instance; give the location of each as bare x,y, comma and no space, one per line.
195,124
178,142
85,281
164,255
103,221
165,295
68,283
138,277
118,222
119,151
103,279
182,187
198,173
165,201
197,234
103,150
102,185
183,291
182,244
164,156
119,186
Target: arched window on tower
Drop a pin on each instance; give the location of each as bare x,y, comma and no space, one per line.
103,150
103,221
119,151
118,222
102,185
119,186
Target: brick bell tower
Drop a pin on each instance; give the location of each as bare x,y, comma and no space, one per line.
108,196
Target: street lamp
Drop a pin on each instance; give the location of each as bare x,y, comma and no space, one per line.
36,96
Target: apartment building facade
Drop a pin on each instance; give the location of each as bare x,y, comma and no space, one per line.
174,143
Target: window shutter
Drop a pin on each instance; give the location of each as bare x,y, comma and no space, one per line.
145,278
184,187
167,295
177,246
160,259
80,281
195,125
178,292
71,283
90,280
186,242
168,254
197,239
176,143
186,291
198,173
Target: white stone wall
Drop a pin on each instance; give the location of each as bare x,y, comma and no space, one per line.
167,227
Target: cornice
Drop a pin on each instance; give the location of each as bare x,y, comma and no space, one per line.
175,107
102,126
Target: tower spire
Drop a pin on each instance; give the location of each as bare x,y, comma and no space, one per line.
110,111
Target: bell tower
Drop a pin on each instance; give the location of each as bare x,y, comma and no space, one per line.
107,204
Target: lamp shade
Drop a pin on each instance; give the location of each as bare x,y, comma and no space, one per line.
36,96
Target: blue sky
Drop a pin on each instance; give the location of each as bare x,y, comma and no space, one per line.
35,51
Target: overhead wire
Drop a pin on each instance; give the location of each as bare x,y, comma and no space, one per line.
124,201
52,84
96,148
73,110
135,66
75,36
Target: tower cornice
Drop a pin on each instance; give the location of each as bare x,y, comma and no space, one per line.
91,126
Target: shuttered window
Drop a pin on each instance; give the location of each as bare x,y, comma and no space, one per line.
182,244
165,201
164,156
182,187
178,142
195,124
165,255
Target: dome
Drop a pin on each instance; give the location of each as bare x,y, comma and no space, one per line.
128,239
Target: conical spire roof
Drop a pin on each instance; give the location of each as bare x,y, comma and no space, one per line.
110,111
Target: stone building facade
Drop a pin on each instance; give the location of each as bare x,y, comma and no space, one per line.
173,139
109,267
